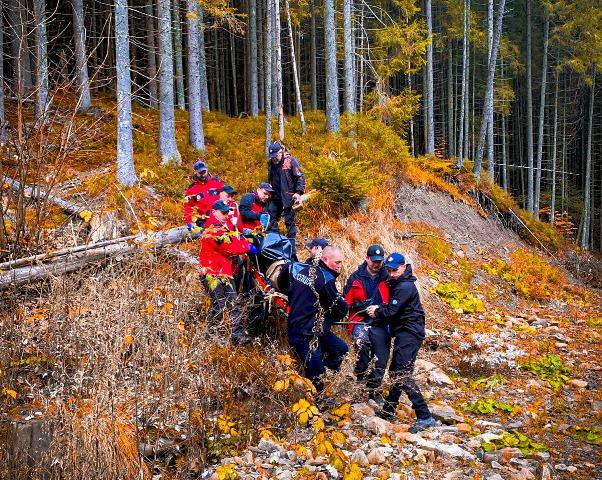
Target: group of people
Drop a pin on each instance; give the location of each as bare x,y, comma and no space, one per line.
380,297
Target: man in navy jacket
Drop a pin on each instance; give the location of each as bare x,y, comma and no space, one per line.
403,316
309,326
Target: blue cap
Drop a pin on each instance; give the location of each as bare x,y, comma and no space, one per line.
229,189
221,206
317,242
266,186
200,166
273,149
395,260
376,252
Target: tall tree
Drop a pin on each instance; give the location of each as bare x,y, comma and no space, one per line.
17,13
81,60
554,150
197,138
295,74
464,88
430,122
203,62
490,144
254,93
268,73
529,115
2,117
542,111
349,56
587,186
168,148
278,73
177,27
313,68
151,49
41,101
450,101
126,174
488,96
332,89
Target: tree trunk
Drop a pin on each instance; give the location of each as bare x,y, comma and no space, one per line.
295,73
203,61
260,54
217,71
349,56
332,89
563,177
268,74
542,110
504,155
81,60
464,89
313,68
278,74
151,68
19,45
232,43
430,122
126,175
361,76
178,54
488,108
2,116
450,101
254,94
41,100
490,136
585,233
197,138
554,152
167,128
529,115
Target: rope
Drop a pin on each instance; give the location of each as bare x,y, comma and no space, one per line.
318,327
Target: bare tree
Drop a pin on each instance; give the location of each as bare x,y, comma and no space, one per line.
529,114
151,49
81,61
585,224
41,100
313,69
268,73
197,138
542,111
295,73
254,93
490,137
332,89
203,62
464,95
349,56
126,174
430,122
2,117
19,45
177,29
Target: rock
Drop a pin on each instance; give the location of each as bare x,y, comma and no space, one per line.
267,445
286,475
464,428
376,457
424,365
560,467
447,437
578,383
454,475
360,458
571,468
334,473
540,322
321,476
490,457
546,472
493,476
446,450
360,410
509,452
446,414
439,377
376,425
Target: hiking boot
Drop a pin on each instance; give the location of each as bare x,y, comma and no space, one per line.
386,414
241,340
422,424
377,398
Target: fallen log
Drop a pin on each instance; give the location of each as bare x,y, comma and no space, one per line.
88,254
39,194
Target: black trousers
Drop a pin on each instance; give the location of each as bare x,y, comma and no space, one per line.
223,296
405,349
277,210
380,341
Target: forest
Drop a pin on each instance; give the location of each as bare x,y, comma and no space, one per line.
464,134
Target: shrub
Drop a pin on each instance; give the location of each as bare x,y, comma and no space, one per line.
459,299
530,274
515,439
549,368
484,406
341,181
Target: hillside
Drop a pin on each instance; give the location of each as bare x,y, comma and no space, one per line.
109,372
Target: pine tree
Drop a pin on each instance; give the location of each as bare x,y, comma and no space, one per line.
151,67
41,100
81,60
203,62
430,121
530,195
197,138
542,110
349,56
126,174
332,89
177,29
17,11
254,93
2,117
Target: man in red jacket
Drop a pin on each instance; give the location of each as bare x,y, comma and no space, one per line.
227,195
255,204
200,196
219,245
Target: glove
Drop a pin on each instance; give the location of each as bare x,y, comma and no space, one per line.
189,226
247,231
253,249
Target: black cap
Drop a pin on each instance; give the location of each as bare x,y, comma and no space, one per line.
229,189
317,242
221,206
376,253
266,186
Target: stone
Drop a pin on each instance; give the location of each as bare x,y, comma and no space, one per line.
360,410
546,472
571,469
509,453
360,458
447,437
464,428
424,365
333,472
446,414
578,383
493,476
267,445
446,450
454,475
439,377
376,457
540,322
560,467
376,425
286,475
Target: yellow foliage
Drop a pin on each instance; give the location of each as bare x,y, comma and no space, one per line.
304,410
353,472
227,472
338,460
226,425
9,392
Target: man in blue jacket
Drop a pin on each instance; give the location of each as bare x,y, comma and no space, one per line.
404,317
288,180
315,303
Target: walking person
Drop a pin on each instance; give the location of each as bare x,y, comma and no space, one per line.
254,206
200,196
404,316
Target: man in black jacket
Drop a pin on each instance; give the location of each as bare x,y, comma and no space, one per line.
309,321
288,180
403,316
